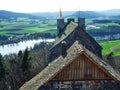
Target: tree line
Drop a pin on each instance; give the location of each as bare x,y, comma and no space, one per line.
16,69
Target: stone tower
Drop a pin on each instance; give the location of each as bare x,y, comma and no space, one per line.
60,23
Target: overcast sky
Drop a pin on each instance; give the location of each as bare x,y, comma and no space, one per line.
27,6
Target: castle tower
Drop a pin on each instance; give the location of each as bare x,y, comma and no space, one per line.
60,23
81,22
60,14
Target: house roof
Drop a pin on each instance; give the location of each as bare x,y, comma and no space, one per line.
73,29
69,28
75,50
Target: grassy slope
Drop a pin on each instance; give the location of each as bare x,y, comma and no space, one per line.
109,46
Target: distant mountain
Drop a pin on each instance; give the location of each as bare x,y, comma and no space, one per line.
112,12
86,14
53,15
115,17
8,15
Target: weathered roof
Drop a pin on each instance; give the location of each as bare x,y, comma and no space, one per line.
70,27
75,50
72,32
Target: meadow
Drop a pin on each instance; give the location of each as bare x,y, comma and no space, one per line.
12,28
111,46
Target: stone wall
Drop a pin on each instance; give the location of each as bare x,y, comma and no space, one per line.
82,85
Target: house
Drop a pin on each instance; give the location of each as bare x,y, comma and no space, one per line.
71,31
75,63
80,66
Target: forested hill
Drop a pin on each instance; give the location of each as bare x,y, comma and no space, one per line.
83,14
86,14
116,16
9,15
112,12
53,15
71,14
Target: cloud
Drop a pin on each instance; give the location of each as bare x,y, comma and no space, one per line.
54,5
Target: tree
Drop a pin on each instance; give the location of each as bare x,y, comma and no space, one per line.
110,59
2,69
20,53
25,61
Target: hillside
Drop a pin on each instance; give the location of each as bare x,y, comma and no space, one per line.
52,15
10,15
115,16
86,14
112,12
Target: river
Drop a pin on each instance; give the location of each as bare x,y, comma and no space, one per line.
16,47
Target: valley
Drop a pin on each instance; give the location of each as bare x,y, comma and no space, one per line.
16,27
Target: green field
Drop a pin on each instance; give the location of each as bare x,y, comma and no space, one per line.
111,46
26,27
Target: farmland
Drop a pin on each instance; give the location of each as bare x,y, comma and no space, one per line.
21,26
111,46
25,27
